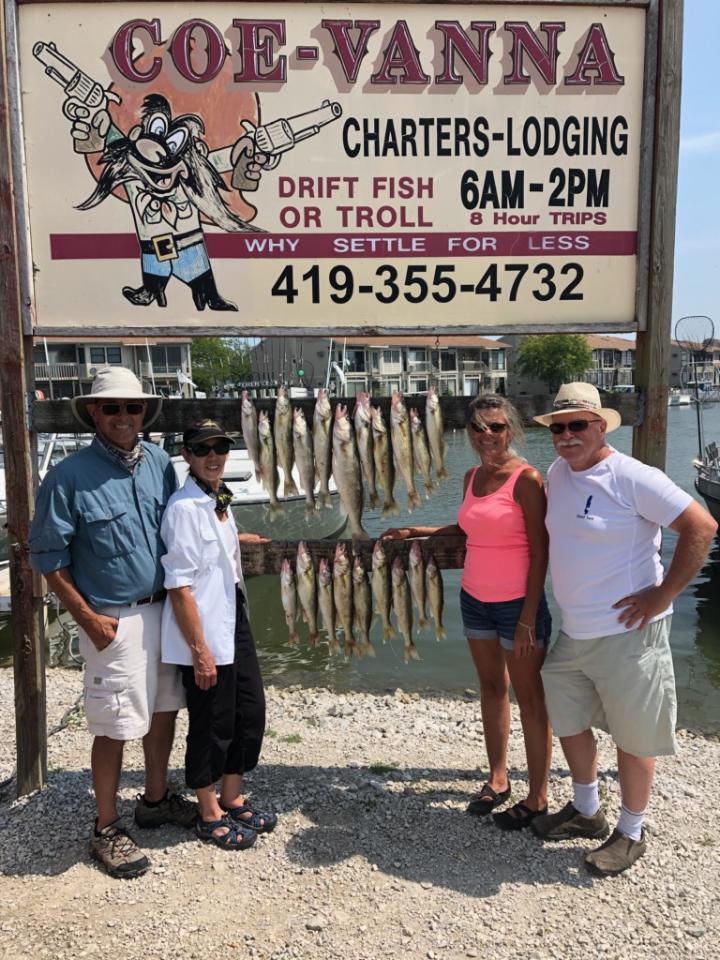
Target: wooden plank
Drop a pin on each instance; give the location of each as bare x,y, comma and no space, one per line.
15,348
652,354
50,416
266,558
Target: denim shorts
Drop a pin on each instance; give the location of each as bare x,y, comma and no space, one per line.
497,620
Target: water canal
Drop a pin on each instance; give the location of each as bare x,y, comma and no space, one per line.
446,666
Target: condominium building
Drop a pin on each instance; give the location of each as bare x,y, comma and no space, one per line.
455,365
66,367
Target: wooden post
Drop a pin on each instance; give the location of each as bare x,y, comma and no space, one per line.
653,345
15,346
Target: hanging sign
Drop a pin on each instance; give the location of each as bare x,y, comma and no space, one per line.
330,168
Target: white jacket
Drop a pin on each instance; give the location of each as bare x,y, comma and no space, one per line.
196,557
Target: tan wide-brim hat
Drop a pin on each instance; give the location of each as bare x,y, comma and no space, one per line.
580,398
115,383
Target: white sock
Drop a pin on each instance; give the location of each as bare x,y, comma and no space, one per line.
585,798
630,824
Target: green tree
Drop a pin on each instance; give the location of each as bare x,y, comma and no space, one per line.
217,361
554,358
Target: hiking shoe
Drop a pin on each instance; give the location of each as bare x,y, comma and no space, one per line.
615,855
173,808
568,824
116,850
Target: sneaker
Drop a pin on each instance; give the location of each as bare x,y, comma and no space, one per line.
615,855
173,808
117,852
568,824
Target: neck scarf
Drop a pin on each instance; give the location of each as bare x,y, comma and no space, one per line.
127,459
222,497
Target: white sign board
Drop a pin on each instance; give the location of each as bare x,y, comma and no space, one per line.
333,167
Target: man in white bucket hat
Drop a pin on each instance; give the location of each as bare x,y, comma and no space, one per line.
96,538
611,666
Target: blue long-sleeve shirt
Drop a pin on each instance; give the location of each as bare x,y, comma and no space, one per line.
103,523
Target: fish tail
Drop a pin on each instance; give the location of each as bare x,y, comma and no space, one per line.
289,488
323,499
440,633
411,652
414,499
429,487
334,645
275,509
423,622
294,639
373,500
311,509
360,533
388,632
390,508
367,649
442,473
314,639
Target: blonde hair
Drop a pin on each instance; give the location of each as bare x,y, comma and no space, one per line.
496,401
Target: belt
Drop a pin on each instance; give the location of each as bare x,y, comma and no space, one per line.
165,246
153,598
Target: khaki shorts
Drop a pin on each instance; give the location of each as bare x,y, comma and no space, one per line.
126,683
623,684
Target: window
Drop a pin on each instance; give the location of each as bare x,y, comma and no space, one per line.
99,356
165,359
391,356
375,360
448,360
416,356
418,385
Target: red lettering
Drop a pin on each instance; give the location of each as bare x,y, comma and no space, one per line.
121,50
457,42
350,55
596,58
255,52
401,54
526,41
185,43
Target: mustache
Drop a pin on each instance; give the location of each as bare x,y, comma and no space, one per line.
569,443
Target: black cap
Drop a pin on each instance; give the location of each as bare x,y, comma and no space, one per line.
204,430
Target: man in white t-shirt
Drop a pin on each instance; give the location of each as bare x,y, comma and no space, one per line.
611,666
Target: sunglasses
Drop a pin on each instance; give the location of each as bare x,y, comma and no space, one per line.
203,449
484,427
133,407
575,426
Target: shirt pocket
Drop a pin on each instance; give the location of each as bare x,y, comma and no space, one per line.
107,701
209,546
110,531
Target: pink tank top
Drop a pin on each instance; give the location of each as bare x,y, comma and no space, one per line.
498,552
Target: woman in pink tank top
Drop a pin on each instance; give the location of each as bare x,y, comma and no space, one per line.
502,601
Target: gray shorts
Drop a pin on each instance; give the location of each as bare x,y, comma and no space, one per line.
126,683
623,684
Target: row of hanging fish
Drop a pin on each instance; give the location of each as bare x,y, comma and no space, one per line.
342,596
333,448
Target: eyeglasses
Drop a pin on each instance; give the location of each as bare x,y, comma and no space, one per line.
133,407
575,426
203,449
484,427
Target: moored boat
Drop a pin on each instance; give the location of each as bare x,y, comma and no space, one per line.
707,482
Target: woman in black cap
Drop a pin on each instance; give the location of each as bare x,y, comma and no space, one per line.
205,629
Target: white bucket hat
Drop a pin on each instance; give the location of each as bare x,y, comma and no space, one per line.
115,383
580,398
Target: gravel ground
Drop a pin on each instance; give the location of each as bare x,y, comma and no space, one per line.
373,855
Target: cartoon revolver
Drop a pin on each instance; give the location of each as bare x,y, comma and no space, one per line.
277,137
84,96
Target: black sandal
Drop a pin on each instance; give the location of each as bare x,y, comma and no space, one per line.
236,838
525,816
259,820
482,803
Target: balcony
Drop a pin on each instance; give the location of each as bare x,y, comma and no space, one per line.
56,371
474,366
419,366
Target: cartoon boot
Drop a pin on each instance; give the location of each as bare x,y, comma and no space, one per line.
153,288
204,292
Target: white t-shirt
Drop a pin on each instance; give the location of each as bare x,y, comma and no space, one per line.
604,526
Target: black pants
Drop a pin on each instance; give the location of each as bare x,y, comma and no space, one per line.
226,722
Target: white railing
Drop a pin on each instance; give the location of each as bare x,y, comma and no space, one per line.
56,371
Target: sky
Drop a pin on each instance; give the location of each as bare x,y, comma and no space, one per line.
697,238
